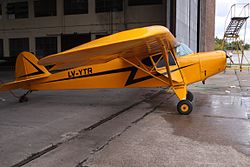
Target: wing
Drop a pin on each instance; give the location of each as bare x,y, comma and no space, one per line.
138,42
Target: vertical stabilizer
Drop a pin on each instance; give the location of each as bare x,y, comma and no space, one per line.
27,67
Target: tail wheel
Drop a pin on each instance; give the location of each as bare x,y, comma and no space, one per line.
23,99
184,107
190,96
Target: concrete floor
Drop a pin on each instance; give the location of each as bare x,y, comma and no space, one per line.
128,127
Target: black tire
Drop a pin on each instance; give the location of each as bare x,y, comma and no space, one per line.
184,107
23,99
190,96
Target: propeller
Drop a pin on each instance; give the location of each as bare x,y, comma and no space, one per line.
229,57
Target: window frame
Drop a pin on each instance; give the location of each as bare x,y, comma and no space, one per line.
157,58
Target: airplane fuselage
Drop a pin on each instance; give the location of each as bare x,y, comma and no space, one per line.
119,74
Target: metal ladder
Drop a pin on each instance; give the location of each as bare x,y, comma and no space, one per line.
239,14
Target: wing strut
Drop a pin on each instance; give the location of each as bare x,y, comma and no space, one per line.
180,90
164,53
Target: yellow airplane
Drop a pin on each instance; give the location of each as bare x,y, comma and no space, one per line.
142,57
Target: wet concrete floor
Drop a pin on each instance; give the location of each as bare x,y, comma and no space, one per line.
128,127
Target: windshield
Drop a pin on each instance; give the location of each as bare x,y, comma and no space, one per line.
183,50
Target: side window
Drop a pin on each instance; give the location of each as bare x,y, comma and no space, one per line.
159,61
171,59
147,62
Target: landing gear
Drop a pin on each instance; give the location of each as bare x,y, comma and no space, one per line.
190,96
24,97
184,107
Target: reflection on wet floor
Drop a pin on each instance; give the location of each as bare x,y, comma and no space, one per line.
219,117
221,112
214,130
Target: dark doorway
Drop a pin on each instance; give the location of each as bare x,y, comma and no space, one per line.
173,17
69,41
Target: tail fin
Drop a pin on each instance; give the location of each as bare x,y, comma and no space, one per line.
27,69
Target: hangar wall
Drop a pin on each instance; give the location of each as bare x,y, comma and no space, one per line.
57,30
186,22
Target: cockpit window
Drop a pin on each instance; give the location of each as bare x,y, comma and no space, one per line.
183,50
158,60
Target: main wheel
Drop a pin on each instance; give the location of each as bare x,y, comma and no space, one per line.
190,96
184,107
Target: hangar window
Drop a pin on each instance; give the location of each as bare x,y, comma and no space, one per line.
17,45
108,5
17,10
0,11
45,8
1,48
75,7
143,2
69,41
46,46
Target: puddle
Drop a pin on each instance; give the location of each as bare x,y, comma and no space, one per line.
215,120
221,131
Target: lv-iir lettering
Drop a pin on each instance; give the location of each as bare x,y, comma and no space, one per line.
80,72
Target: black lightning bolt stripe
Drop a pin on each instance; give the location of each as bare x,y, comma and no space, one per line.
96,74
181,67
39,71
131,79
178,68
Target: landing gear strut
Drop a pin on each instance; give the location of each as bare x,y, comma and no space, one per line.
24,97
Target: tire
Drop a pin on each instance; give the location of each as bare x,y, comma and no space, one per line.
23,99
190,96
184,107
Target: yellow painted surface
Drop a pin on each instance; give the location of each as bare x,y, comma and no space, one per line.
136,42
